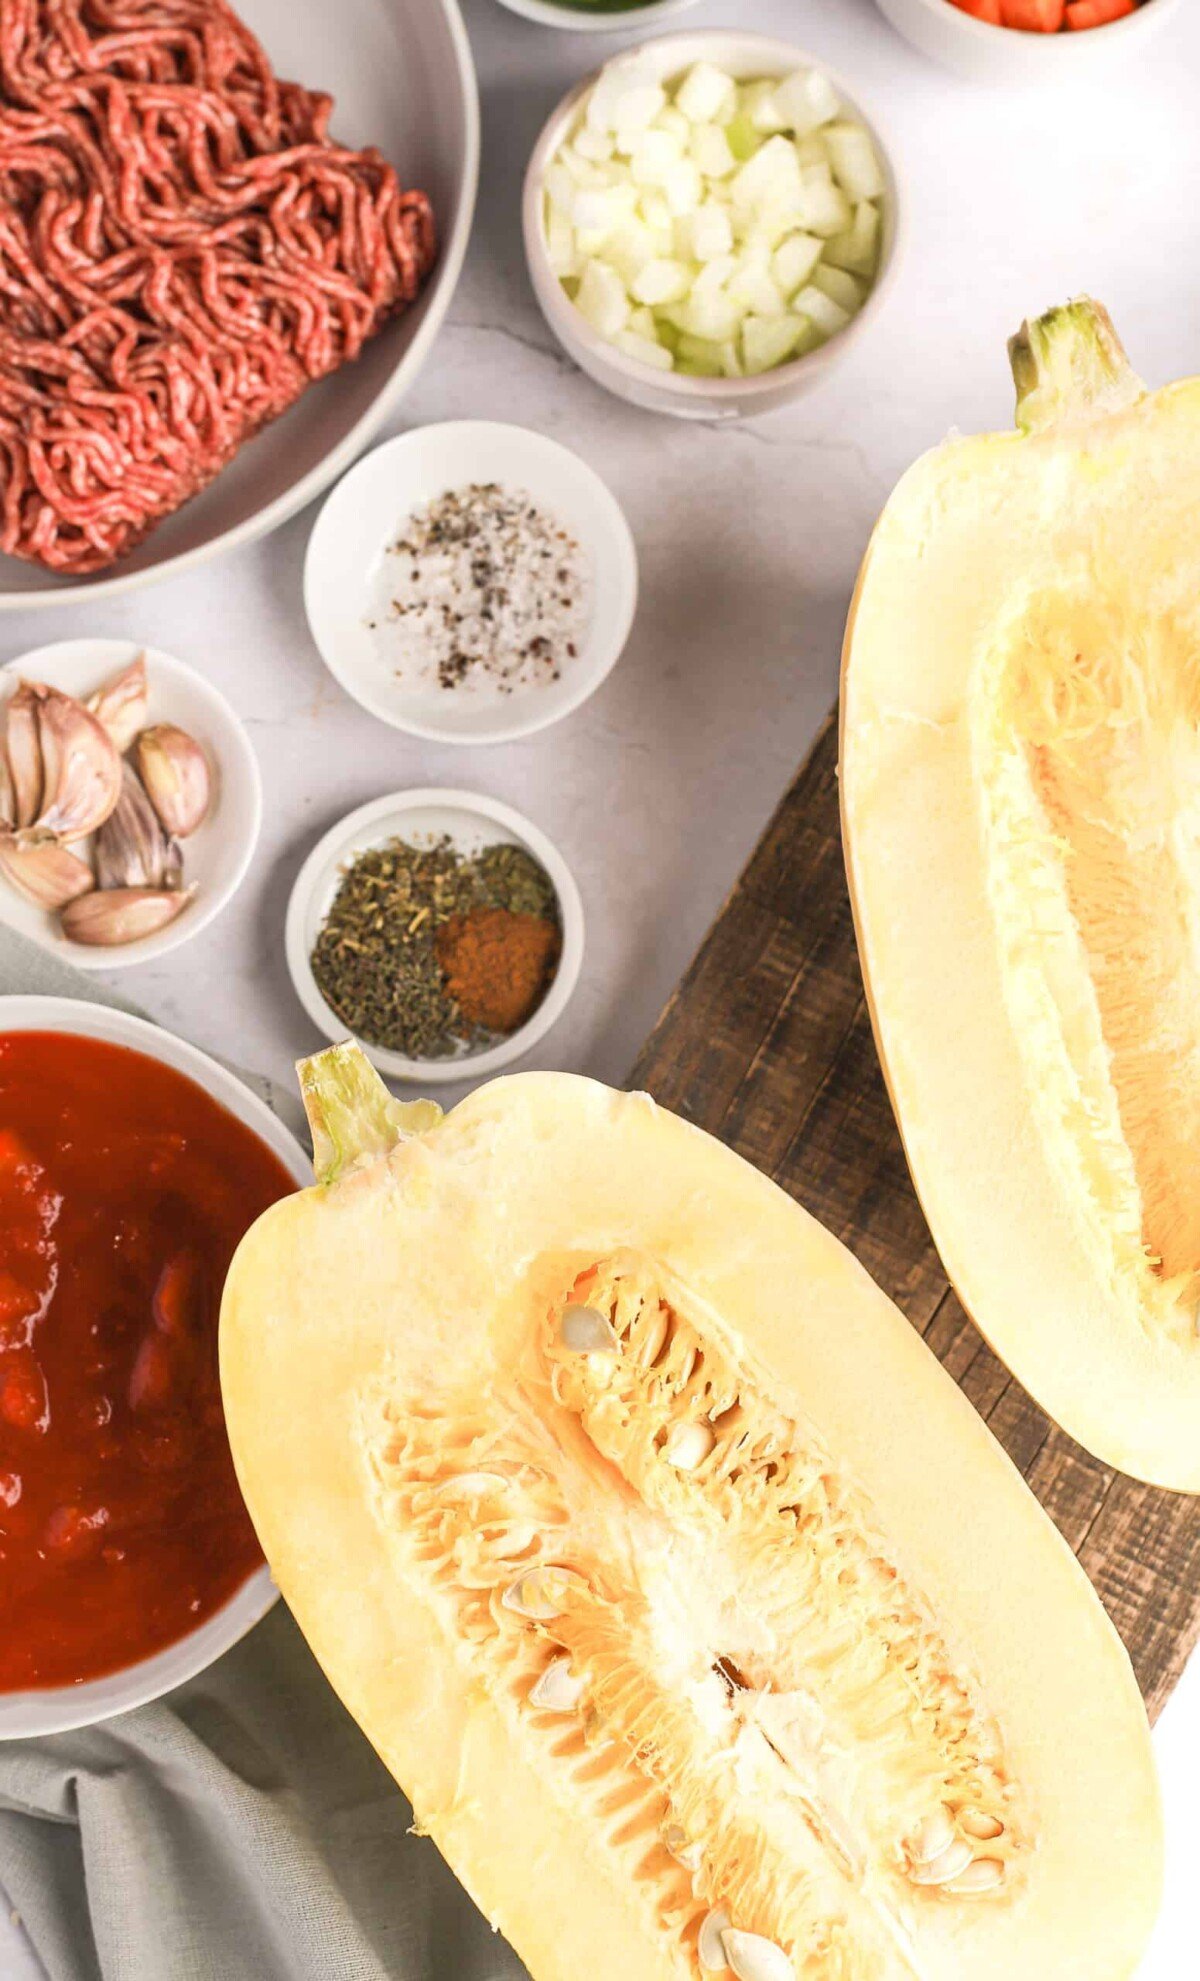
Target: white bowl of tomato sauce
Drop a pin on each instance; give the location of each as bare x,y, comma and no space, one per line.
130,1166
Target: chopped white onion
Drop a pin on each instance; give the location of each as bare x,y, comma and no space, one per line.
603,299
794,261
806,100
821,310
665,281
714,227
852,156
842,288
706,95
858,247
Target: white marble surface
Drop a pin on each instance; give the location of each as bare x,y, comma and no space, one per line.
749,540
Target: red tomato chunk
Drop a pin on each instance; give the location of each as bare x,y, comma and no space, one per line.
1046,16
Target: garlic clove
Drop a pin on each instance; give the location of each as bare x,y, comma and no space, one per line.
174,770
47,875
131,849
120,706
80,765
24,754
115,915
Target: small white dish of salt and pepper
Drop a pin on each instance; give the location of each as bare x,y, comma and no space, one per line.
470,582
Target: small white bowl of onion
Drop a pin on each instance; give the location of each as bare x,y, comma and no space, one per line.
711,221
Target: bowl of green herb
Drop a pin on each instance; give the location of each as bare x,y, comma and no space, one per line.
593,16
440,929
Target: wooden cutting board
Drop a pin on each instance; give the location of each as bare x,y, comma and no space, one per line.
767,1043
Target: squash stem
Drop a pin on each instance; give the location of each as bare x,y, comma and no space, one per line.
353,1118
1069,365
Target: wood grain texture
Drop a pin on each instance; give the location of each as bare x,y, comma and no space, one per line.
767,1043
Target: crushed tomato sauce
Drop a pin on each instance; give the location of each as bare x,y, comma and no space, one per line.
124,1190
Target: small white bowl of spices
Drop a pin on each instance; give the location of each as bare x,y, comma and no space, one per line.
471,582
440,929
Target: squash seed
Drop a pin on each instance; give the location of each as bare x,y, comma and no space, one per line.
935,1835
688,1446
585,1331
981,1826
690,1855
541,1593
940,1870
654,1335
710,1947
559,1689
754,1958
472,1485
986,1874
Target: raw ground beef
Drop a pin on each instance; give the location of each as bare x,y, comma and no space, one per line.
182,250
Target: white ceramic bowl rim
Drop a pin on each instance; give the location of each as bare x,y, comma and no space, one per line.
445,276
719,392
57,1709
388,813
982,32
528,711
578,20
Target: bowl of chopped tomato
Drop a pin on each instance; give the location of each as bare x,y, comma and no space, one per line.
1000,41
130,1167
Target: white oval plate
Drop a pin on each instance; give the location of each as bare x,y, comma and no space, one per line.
360,519
472,822
401,76
217,855
58,1708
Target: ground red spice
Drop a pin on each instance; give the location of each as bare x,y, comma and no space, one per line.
498,965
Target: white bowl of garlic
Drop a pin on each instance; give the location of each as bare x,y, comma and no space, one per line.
711,221
130,801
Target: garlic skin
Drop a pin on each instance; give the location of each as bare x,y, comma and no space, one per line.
24,753
80,765
121,705
131,848
48,875
174,770
109,917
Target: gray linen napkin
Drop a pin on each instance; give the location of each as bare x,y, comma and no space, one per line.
239,1830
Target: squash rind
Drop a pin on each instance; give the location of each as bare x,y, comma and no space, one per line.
1092,514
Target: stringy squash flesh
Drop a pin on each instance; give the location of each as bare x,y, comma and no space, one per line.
704,1623
1020,784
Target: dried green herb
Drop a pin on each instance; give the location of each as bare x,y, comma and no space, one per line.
375,960
509,877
